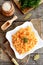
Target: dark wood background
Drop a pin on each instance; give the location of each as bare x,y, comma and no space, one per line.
36,13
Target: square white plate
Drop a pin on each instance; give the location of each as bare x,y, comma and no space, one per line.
37,46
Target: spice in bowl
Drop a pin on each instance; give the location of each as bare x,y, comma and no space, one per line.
8,8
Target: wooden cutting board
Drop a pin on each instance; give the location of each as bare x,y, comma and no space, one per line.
25,61
26,10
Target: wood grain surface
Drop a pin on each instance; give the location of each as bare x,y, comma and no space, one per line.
38,26
36,13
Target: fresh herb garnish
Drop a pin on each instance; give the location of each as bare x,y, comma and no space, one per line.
25,40
29,3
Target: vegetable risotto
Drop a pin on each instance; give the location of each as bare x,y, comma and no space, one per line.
24,40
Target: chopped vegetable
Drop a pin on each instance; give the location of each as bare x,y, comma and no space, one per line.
29,3
25,40
36,57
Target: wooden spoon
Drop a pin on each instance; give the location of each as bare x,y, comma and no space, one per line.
8,23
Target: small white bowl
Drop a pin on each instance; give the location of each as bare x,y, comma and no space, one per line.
37,46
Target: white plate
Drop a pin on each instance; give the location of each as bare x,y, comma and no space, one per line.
37,46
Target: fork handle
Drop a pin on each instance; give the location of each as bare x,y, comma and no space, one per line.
14,61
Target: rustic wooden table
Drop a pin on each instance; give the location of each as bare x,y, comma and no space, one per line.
36,13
